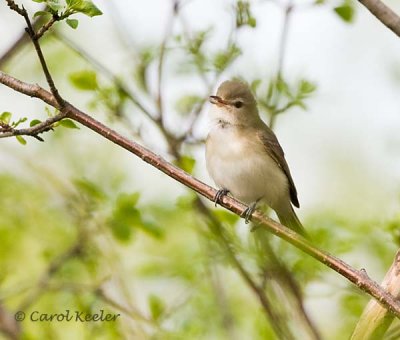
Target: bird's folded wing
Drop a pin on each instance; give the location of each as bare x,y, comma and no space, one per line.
273,148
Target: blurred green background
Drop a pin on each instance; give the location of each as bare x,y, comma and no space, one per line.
86,226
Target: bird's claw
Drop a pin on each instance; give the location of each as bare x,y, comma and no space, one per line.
246,214
218,196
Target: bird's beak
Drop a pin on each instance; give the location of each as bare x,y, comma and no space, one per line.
217,101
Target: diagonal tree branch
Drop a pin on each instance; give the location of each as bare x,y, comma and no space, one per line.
357,277
384,14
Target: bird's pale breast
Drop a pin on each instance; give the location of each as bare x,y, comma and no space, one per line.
238,161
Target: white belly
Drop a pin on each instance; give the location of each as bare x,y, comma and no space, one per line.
244,168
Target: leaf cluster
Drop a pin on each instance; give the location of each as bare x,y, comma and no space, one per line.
244,16
7,125
279,96
60,10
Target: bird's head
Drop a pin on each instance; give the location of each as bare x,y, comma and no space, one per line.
234,103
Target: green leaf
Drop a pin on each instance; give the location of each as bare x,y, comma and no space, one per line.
152,229
54,5
39,0
270,91
41,13
223,59
196,43
156,306
244,16
146,56
300,103
21,140
187,163
86,7
393,227
306,87
73,23
345,12
71,3
128,199
121,230
255,84
252,22
283,87
125,217
84,80
5,117
19,121
89,189
68,123
34,122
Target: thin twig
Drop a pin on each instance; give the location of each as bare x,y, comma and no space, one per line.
13,6
42,30
215,226
100,293
35,130
30,30
32,91
218,287
52,269
276,271
161,59
282,54
22,39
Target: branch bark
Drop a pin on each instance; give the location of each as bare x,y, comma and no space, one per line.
384,14
357,277
376,320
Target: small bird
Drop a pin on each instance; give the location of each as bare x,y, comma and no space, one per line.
244,157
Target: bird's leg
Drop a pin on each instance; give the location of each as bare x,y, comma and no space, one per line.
249,211
219,194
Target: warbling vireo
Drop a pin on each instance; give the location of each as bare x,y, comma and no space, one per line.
245,158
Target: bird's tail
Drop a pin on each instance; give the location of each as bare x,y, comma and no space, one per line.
289,219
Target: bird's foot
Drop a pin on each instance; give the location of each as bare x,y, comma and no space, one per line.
248,212
218,196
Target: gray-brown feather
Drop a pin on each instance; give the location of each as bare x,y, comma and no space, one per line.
274,149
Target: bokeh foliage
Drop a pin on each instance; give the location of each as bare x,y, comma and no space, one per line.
82,240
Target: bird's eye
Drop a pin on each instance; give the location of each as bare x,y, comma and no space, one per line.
238,104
